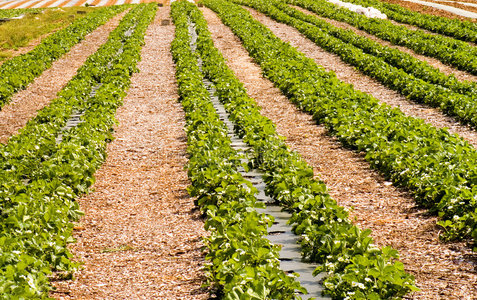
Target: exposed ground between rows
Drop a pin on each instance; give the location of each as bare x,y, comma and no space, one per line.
443,271
429,10
140,237
24,105
455,4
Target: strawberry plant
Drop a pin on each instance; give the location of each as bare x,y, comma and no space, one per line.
399,71
290,181
462,30
242,262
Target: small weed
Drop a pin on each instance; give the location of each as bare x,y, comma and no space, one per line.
124,247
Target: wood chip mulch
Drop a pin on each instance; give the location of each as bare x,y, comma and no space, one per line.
140,237
443,271
24,105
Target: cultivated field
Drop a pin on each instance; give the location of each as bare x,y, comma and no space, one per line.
150,151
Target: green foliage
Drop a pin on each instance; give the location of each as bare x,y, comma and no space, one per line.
242,262
395,69
462,30
40,178
18,33
448,50
316,217
340,41
437,167
18,72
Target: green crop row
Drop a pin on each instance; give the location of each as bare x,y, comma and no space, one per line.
243,264
462,30
388,66
448,50
437,167
394,57
41,176
355,267
18,72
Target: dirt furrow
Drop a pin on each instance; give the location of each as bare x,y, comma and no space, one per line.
24,105
448,70
443,271
427,9
455,4
140,237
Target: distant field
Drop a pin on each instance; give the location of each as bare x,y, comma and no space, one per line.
16,34
9,4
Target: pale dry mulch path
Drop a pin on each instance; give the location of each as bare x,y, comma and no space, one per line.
446,69
443,271
140,237
25,104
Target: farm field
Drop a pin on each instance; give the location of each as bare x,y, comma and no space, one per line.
38,4
132,137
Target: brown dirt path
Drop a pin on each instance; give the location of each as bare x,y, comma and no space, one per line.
456,4
429,10
442,271
24,105
448,70
140,237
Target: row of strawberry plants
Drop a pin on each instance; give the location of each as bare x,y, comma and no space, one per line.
462,30
242,262
391,67
437,167
353,264
20,71
448,50
419,69
41,177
